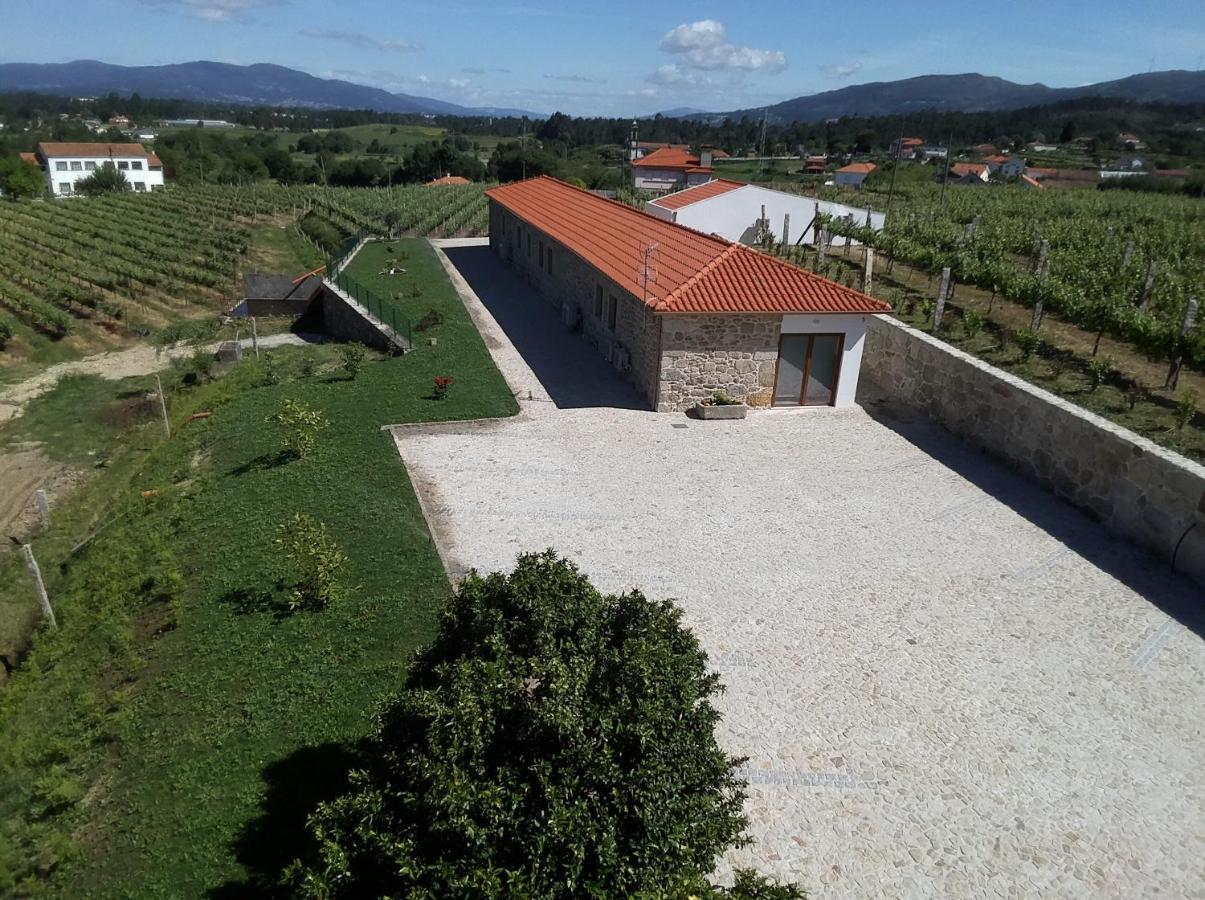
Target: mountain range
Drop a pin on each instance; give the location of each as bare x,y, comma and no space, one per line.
270,85
214,82
971,93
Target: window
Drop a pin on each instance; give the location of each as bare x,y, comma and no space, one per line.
90,166
541,254
140,186
77,166
123,165
549,259
136,165
156,187
612,309
60,166
64,187
598,301
529,244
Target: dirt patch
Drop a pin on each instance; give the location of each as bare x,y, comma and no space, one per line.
22,472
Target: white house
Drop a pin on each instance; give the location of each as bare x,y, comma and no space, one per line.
734,210
65,164
853,175
670,169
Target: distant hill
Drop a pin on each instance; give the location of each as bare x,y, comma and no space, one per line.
970,93
679,112
213,82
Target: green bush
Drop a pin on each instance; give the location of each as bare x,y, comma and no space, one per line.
552,742
1028,342
1186,409
6,332
351,357
315,560
300,424
973,322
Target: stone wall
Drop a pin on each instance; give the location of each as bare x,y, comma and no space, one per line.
346,320
702,354
1136,488
575,282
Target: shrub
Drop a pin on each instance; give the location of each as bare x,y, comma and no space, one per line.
1028,342
301,424
202,362
552,742
1186,409
315,560
723,398
430,319
309,365
351,358
270,369
1099,371
6,332
442,384
973,322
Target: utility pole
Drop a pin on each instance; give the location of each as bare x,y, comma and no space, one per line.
899,145
945,178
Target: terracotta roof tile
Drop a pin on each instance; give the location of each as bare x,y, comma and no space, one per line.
449,179
695,272
699,192
50,150
29,158
858,168
668,158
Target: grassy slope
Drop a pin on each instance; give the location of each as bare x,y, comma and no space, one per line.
227,718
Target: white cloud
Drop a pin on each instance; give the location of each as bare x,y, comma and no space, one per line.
704,45
840,71
363,41
212,10
672,73
577,79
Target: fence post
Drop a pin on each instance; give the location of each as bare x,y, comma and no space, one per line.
167,425
43,508
36,574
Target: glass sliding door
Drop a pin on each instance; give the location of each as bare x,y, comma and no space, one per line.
792,363
824,360
809,367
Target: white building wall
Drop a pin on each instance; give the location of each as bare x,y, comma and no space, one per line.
734,214
62,172
854,329
663,180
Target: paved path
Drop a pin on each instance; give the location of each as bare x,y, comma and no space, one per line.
948,683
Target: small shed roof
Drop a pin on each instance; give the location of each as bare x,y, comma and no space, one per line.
861,168
699,192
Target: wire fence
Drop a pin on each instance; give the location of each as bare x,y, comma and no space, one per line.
376,304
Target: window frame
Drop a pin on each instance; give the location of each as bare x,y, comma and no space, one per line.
60,165
598,301
613,313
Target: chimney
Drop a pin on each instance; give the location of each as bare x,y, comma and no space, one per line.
705,158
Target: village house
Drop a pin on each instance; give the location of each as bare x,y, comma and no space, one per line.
684,314
968,173
906,148
1005,166
815,165
64,164
741,212
670,169
853,175
448,179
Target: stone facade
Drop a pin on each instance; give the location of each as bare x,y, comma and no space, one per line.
1136,488
702,354
565,279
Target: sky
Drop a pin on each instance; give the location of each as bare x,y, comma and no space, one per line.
621,58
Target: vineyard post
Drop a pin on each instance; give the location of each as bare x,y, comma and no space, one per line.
849,226
868,274
167,425
940,306
1186,323
1126,255
43,504
786,229
254,338
820,242
1148,286
36,574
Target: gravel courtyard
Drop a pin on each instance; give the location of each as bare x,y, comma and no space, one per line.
946,682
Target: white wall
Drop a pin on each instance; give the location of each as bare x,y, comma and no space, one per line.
78,169
854,329
734,214
646,179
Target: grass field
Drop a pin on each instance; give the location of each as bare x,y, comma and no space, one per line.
168,739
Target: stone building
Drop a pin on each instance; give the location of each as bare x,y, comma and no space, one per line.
684,314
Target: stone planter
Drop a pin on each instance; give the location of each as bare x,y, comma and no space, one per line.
727,411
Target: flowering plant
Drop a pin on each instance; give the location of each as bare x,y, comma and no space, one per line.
442,383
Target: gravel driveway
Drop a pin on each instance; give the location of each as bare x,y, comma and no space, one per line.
946,682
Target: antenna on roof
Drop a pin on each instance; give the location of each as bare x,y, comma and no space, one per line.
648,271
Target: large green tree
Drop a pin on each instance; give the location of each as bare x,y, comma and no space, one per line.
107,179
20,179
552,742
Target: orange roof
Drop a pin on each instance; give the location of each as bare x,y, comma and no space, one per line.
719,154
49,150
1033,182
153,160
968,168
669,158
696,272
29,158
911,142
449,179
699,192
997,158
858,168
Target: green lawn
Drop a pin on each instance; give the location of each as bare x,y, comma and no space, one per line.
167,741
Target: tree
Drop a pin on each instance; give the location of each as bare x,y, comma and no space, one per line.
301,424
351,358
20,179
107,179
552,742
315,561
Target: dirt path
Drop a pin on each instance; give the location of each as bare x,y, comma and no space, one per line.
142,360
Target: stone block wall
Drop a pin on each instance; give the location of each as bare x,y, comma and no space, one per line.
575,282
702,354
347,320
1136,488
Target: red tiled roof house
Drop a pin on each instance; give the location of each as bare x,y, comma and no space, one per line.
671,169
66,163
683,313
853,175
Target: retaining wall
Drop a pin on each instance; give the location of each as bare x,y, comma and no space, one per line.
345,319
1136,488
